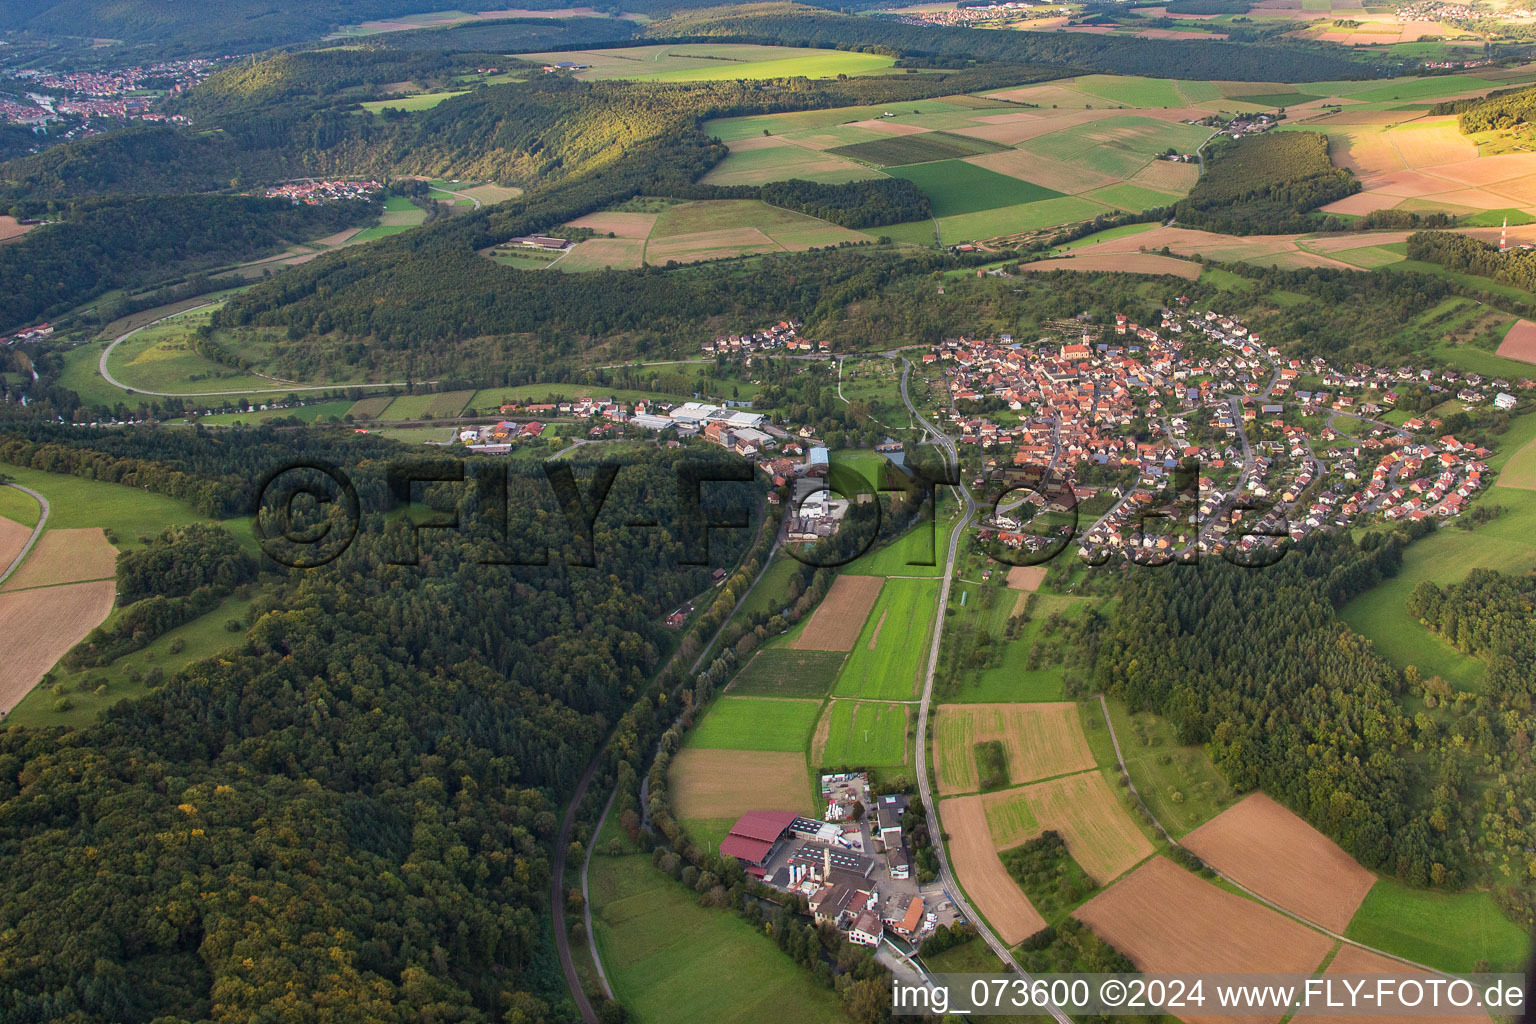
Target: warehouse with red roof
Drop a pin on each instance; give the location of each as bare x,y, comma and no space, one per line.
755,837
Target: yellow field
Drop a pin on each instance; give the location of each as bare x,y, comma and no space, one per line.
66,556
1099,831
727,783
1041,740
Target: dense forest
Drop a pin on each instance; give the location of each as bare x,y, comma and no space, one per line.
1500,110
1255,664
1487,615
1265,184
796,24
353,807
100,244
1474,256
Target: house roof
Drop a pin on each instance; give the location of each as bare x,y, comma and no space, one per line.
750,851
763,825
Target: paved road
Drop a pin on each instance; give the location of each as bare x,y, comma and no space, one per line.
935,831
37,531
106,374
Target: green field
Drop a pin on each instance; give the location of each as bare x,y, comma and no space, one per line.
671,961
756,723
437,404
780,672
128,512
780,163
161,358
311,413
897,150
720,228
1116,146
1108,235
955,187
18,507
124,678
420,101
1011,817
729,129
918,552
819,64
864,734
1180,785
1455,932
1008,220
1134,91
893,646
1008,676
1132,197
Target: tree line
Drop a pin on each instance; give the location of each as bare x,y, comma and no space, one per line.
1265,184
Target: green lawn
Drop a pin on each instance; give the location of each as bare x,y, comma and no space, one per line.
1130,197
18,506
420,101
438,404
673,962
1180,785
1132,90
1451,931
955,187
756,723
865,734
892,648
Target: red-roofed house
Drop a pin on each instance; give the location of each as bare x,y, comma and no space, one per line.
754,836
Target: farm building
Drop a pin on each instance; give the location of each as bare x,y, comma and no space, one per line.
755,837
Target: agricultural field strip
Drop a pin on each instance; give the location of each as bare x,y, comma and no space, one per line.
1120,759
37,531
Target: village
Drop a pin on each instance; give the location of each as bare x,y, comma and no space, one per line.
126,93
1296,440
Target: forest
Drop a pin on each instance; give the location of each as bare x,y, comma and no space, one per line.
1264,184
796,24
1500,110
352,808
100,244
1487,615
1474,256
1256,665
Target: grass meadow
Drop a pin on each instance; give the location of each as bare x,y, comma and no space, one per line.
892,648
780,672
1456,932
756,723
865,734
1180,785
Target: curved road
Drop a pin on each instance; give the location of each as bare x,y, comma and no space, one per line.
106,374
37,531
935,831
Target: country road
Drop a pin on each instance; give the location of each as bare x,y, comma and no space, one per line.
37,531
935,828
106,374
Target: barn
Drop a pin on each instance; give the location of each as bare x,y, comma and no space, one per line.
755,837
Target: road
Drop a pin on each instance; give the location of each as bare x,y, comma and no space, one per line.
37,531
106,374
935,830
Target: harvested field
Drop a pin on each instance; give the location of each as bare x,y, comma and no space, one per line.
1168,921
1100,833
836,623
726,783
66,556
1041,740
598,253
1178,177
11,228
1354,960
1052,174
987,882
1026,577
1279,856
339,238
1520,342
622,225
888,127
13,537
41,625
1127,263
1010,818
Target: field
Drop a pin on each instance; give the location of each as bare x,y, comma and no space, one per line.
1520,342
1100,833
836,623
40,625
1042,741
1449,931
756,723
955,187
400,214
160,358
66,556
1179,784
19,507
1266,848
1129,263
982,874
705,62
706,230
1169,921
918,552
858,734
310,413
420,101
1010,818
670,960
1520,471
918,147
756,161
726,783
1011,676
889,654
436,404
782,672
13,537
